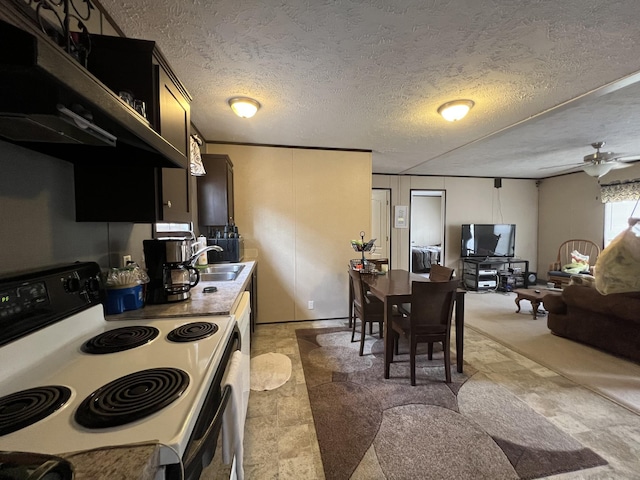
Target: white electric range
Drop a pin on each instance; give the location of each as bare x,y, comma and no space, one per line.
72,381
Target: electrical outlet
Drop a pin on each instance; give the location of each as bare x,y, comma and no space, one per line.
310,304
125,260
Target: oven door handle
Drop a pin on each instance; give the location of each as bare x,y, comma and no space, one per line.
216,423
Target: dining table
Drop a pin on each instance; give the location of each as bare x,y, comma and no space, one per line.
394,288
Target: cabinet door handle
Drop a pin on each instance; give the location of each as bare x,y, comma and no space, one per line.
167,204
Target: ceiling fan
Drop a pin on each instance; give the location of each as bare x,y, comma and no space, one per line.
600,163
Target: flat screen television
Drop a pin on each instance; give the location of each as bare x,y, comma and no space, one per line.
488,240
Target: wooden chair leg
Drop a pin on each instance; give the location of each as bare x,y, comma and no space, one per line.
353,329
396,340
371,328
412,356
380,329
364,331
447,361
430,351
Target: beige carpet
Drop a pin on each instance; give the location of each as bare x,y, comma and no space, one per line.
493,314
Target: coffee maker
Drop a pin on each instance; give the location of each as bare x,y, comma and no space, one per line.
171,274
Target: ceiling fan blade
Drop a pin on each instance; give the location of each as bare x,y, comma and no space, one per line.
627,158
617,165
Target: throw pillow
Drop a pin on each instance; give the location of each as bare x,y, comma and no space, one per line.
584,280
577,257
579,263
618,266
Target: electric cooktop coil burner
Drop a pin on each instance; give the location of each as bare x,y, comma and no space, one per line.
26,407
132,397
193,331
120,339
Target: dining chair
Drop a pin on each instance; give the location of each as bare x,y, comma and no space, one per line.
378,262
367,309
438,273
428,322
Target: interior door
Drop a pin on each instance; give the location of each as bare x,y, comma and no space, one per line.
380,222
427,229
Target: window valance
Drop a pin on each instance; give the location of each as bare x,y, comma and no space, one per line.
620,191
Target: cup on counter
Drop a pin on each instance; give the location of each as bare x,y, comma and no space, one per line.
551,285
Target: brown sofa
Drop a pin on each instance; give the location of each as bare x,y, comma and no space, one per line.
609,322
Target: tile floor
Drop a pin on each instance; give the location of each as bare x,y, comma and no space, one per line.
280,441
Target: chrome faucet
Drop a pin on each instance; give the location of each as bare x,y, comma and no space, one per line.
192,261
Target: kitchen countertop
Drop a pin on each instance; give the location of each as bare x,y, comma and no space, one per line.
222,302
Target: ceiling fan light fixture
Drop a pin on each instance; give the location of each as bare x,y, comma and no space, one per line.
598,169
244,107
455,110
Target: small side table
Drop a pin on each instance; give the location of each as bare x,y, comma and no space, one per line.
534,295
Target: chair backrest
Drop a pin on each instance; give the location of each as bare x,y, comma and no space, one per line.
358,287
585,247
439,273
379,261
432,303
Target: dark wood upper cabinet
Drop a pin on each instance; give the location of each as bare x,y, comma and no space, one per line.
139,68
59,107
132,194
120,191
215,191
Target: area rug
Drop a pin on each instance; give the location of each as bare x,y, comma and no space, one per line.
372,428
269,371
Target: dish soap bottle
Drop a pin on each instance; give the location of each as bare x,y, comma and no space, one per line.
202,243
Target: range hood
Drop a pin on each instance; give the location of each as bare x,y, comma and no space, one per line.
50,103
63,126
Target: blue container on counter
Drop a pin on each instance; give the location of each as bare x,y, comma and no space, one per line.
122,299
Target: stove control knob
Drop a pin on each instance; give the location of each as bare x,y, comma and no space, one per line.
92,285
72,285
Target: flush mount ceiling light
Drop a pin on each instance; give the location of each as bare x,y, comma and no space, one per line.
456,110
244,107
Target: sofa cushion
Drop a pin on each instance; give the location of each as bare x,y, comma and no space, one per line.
558,273
622,305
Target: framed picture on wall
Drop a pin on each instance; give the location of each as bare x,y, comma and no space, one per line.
401,216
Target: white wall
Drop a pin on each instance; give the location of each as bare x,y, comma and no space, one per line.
468,200
426,218
299,209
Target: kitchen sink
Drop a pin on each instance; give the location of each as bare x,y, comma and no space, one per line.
220,273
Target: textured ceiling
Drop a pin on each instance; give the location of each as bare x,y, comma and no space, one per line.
370,74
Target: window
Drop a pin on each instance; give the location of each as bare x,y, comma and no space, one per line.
616,216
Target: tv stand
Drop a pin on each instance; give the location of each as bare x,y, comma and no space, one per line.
495,273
